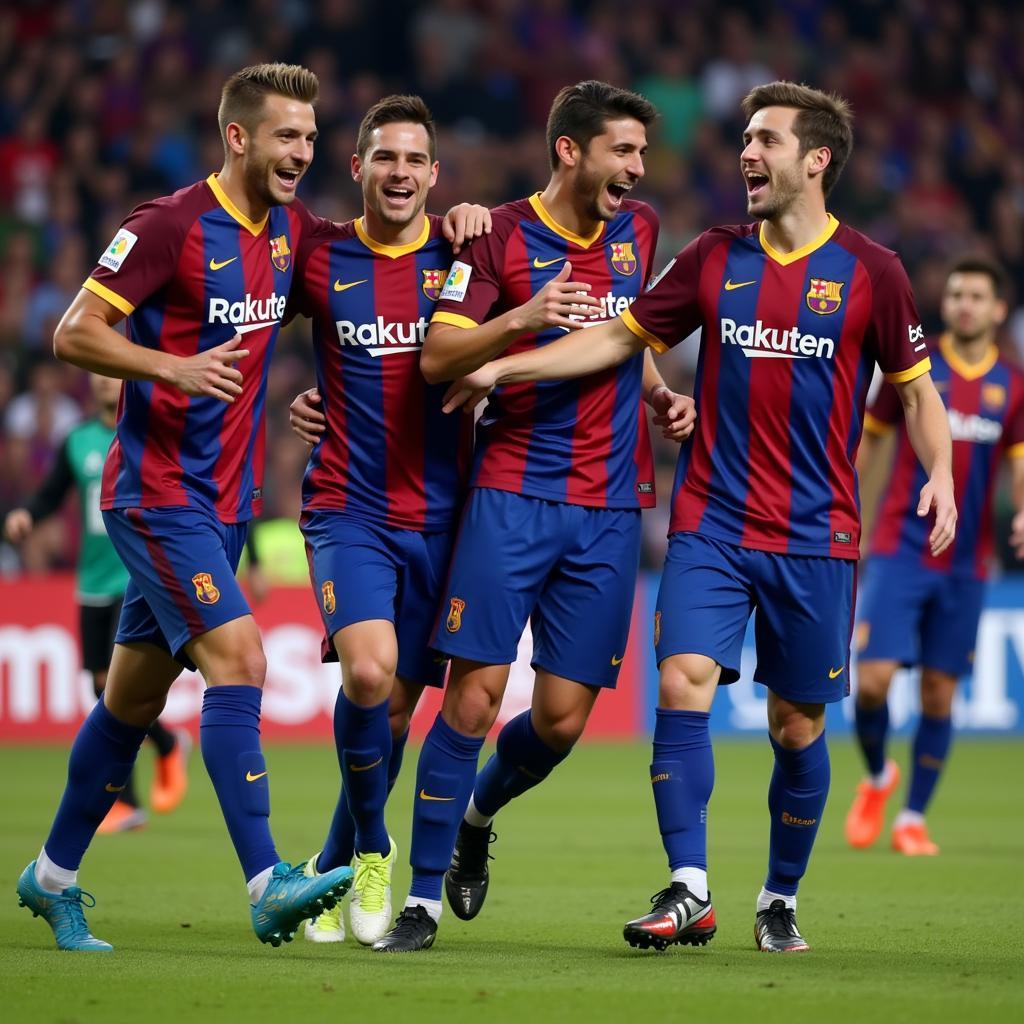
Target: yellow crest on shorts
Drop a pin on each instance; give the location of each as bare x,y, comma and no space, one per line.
328,592
206,592
455,609
657,628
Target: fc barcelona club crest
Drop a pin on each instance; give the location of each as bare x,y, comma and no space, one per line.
824,296
993,396
433,282
657,628
280,254
623,257
328,591
206,592
454,621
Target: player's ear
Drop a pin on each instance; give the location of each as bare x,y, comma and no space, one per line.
820,158
567,151
1001,311
357,168
235,137
433,174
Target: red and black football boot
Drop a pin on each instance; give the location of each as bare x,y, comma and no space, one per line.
775,930
678,917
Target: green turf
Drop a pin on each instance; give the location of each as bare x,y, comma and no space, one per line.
893,939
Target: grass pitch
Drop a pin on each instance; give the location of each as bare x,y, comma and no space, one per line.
893,939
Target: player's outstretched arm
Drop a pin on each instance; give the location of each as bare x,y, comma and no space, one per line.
928,429
450,352
305,416
1017,496
676,414
86,337
576,355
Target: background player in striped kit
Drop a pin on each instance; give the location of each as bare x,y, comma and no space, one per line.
795,312
192,272
101,579
921,609
385,481
551,526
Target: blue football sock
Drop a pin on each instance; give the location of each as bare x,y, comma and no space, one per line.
931,745
229,736
100,764
796,801
363,739
682,777
340,845
872,726
444,783
522,760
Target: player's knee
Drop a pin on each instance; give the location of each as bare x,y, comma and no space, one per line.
135,709
687,684
560,732
793,729
937,691
399,720
368,681
246,667
472,712
873,681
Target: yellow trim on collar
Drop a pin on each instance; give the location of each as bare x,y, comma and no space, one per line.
902,376
569,236
785,258
969,371
642,333
92,285
253,227
392,251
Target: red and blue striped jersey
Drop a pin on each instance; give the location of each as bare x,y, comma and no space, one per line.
583,442
389,453
985,403
787,351
190,271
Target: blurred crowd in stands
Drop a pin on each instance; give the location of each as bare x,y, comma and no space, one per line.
106,104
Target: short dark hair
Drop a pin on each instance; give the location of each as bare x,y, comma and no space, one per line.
976,263
392,110
824,119
241,99
581,112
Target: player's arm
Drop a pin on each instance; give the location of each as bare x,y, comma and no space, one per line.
1017,497
576,355
47,500
463,223
676,414
450,351
86,337
305,416
928,430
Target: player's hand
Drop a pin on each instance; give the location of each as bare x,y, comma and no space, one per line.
465,222
937,494
553,305
675,414
18,525
1017,534
212,373
469,391
257,582
306,419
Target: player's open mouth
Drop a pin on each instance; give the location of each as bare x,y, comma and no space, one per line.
287,178
398,196
756,183
618,190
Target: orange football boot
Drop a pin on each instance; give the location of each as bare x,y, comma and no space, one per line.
867,815
170,778
913,840
122,817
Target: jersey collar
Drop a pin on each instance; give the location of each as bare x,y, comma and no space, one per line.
392,251
785,258
569,236
252,226
969,371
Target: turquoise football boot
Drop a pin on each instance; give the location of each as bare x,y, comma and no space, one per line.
62,912
292,896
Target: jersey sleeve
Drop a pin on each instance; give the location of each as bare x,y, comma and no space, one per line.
1013,435
473,283
885,412
899,337
669,310
141,259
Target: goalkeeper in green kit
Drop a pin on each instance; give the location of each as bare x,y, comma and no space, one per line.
100,585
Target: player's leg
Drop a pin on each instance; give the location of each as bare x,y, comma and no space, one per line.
802,629
100,763
702,611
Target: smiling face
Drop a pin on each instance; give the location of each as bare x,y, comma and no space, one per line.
396,172
276,153
776,174
610,166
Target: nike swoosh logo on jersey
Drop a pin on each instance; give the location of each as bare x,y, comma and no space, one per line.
731,287
339,287
424,795
214,265
249,777
833,672
541,264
